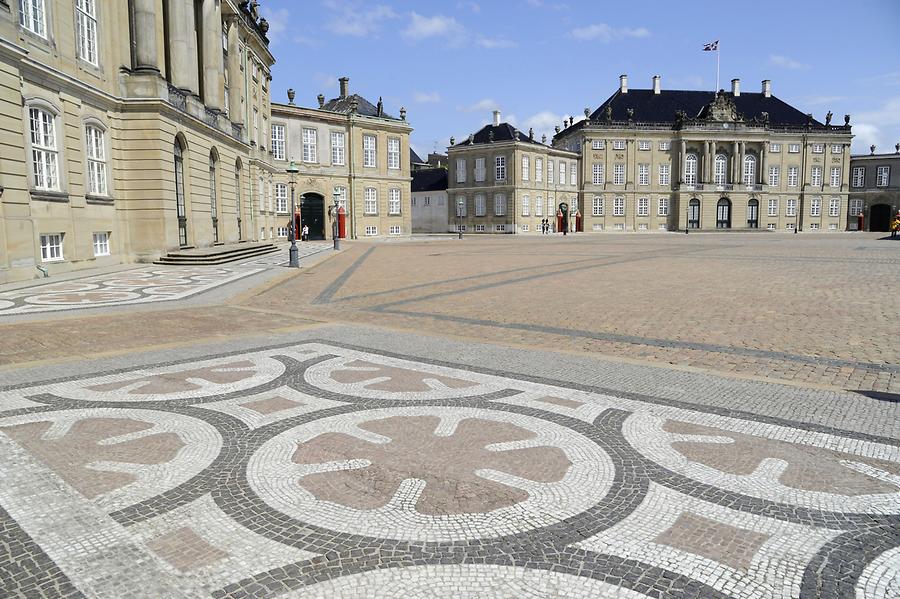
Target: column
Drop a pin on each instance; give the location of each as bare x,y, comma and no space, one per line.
741,162
735,162
763,167
708,163
235,81
182,46
146,55
681,158
211,32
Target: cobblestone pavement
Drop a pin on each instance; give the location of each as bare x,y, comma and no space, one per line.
323,469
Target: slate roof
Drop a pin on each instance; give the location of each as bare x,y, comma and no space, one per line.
502,132
429,179
364,107
661,108
414,158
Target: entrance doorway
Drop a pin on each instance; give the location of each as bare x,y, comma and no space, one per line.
312,214
880,218
753,214
694,214
723,214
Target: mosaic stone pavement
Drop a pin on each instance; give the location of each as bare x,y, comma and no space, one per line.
324,470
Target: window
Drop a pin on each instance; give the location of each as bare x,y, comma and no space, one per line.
832,226
369,150
619,206
859,176
618,144
775,147
282,231
663,207
818,148
370,204
598,174
573,174
86,30
526,206
550,206
337,148
96,159
642,226
500,168
525,228
837,149
461,206
479,228
598,144
644,145
499,205
310,152
835,176
101,244
791,209
789,226
834,207
774,175
773,206
281,198
793,173
549,171
31,16
813,225
664,175
816,176
815,206
51,247
794,148
394,229
643,207
371,230
278,142
597,208
479,169
597,226
526,167
43,149
856,206
538,169
393,145
562,172
643,174
460,170
720,170
255,138
501,228
882,176
665,146
619,226
749,170
539,206
619,174
690,169
770,226
480,205
342,197
394,201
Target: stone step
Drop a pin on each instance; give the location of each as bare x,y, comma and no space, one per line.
213,257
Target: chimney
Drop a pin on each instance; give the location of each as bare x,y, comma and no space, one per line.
656,85
623,84
496,118
767,88
736,87
345,85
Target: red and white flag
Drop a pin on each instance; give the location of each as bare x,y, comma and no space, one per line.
711,47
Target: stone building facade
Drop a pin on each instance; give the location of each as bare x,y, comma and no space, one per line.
429,200
874,190
130,128
663,160
350,146
503,181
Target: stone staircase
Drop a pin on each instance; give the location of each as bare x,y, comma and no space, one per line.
221,254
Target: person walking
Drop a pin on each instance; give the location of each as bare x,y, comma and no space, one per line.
305,234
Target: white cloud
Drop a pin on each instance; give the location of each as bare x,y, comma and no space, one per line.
494,42
421,27
787,63
820,100
485,105
351,19
880,127
278,23
545,123
426,98
604,33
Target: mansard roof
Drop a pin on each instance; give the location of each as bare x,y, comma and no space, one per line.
501,132
429,179
363,107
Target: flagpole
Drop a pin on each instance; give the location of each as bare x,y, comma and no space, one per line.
717,67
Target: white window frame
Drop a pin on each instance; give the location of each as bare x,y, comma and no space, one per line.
793,176
371,230
618,144
815,206
773,207
619,174
643,174
480,170
662,208
790,208
690,169
644,145
815,176
95,145
526,168
618,206
774,147
643,207
310,145
855,206
480,205
749,170
837,149
394,201
551,173
859,176
281,198
774,175
44,148
342,197
499,204
278,147
338,148
500,168
539,206
793,148
52,247
598,173
370,202
86,31
526,205
562,173
597,206
598,144
818,148
370,148
539,169
665,146
395,230
33,16
100,241
573,173
834,207
665,175
460,170
835,179
882,176
393,153
462,206
720,169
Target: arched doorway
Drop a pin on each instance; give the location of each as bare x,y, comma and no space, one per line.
880,218
213,194
723,214
237,198
694,214
312,214
753,214
180,207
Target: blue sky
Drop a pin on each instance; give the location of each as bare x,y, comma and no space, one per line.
451,62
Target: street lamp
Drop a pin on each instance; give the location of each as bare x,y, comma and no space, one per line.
293,252
460,203
336,195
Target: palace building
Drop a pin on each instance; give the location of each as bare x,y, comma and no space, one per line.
346,149
130,129
655,159
874,190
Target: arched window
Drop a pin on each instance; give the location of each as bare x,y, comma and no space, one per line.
213,197
721,170
690,169
179,193
694,214
749,170
237,196
96,160
44,149
723,214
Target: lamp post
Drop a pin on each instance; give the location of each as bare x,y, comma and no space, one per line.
294,253
459,209
336,196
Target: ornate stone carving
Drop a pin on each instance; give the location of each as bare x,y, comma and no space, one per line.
721,109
